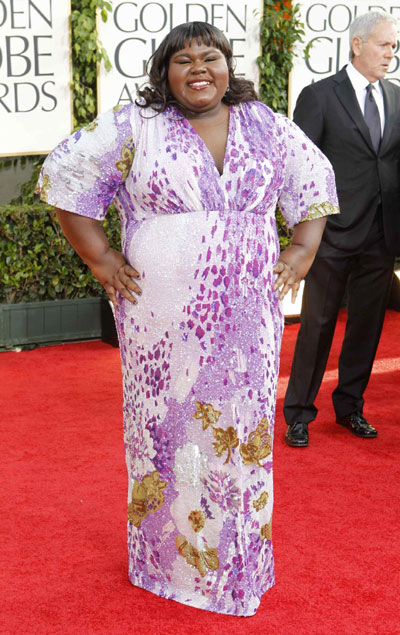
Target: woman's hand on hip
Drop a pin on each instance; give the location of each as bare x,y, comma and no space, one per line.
128,286
295,261
117,277
287,280
108,266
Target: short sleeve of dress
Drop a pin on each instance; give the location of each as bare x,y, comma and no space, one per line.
84,172
309,188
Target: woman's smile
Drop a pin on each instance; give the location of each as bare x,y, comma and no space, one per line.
199,85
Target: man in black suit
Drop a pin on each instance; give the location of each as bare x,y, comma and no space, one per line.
354,118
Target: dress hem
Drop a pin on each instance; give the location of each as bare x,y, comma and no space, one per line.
190,597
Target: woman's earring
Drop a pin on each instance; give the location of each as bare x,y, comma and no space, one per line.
227,90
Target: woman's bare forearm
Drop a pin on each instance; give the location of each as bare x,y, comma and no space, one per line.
85,235
295,261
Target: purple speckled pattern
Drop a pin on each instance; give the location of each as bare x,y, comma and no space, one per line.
200,351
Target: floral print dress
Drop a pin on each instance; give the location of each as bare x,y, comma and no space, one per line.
200,350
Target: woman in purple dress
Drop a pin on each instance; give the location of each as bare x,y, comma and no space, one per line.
196,169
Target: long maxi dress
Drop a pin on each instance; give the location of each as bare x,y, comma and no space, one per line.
200,350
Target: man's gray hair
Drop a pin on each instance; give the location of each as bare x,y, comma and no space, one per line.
363,26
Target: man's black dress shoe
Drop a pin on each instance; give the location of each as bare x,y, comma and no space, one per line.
297,435
358,425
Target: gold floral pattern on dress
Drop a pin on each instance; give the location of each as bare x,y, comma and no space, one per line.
318,210
266,531
117,107
258,446
92,125
225,440
207,413
197,519
127,153
261,501
201,560
43,188
147,497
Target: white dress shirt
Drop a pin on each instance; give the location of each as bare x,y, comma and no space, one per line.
360,84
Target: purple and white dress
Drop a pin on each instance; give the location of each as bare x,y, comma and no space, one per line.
200,350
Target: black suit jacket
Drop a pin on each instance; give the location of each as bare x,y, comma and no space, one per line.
329,114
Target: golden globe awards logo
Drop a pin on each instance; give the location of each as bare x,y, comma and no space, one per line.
26,67
35,75
135,29
133,51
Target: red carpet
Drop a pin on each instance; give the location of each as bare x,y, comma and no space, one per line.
63,501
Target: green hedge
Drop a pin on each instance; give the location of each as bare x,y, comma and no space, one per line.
37,262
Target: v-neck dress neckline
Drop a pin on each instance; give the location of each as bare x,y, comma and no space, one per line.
203,144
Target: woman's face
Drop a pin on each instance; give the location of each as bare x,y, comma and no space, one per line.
198,77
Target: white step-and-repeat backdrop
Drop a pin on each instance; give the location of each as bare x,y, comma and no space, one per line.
35,57
35,75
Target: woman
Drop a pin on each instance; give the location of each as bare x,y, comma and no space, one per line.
196,169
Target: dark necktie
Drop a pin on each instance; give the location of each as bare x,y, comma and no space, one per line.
372,118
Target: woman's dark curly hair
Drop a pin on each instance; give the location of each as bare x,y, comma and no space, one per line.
157,94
